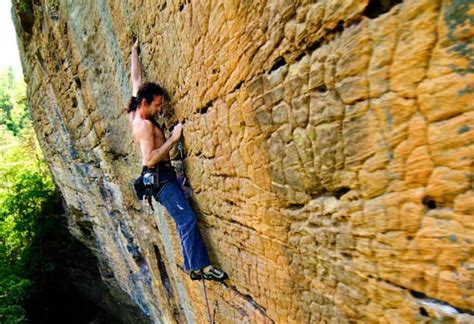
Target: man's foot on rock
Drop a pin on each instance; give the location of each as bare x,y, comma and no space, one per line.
209,273
195,275
212,273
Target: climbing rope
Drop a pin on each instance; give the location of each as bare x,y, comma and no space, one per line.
205,297
180,148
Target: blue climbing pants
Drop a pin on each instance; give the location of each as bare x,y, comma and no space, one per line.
194,251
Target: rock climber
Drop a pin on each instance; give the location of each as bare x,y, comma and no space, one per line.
147,100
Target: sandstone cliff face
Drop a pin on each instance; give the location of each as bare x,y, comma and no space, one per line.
330,148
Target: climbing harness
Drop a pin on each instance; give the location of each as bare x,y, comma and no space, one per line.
148,183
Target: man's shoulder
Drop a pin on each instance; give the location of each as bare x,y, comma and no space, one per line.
140,125
138,122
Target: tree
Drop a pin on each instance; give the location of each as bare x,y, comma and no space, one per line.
14,112
26,195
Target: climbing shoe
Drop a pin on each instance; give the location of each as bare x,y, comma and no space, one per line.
211,273
215,274
195,275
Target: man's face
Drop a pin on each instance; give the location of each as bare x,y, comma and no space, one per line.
155,106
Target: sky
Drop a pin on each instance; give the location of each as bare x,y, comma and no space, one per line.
9,55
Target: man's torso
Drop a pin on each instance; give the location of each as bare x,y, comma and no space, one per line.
158,135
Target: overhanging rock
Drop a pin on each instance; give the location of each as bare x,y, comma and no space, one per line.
330,150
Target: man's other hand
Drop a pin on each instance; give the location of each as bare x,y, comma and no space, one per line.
177,131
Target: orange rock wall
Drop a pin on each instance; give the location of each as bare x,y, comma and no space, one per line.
329,148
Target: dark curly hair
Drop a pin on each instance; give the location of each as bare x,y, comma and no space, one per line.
147,92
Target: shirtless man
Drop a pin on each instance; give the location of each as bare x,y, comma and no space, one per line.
146,102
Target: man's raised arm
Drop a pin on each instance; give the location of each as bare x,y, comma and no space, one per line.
136,71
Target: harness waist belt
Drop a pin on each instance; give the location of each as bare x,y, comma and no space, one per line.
166,171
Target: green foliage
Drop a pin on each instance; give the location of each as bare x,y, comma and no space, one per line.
14,112
14,290
27,194
25,201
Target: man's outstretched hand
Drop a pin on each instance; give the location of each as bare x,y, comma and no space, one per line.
176,133
135,45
